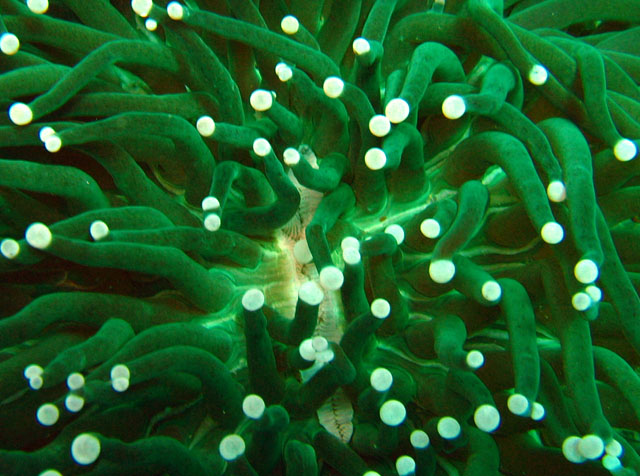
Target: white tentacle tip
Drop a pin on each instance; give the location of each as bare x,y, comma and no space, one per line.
19,112
38,236
142,7
175,11
333,87
442,270
290,25
397,110
586,271
9,44
361,46
454,107
261,147
9,248
552,233
38,6
206,126
556,191
85,449
538,75
261,100
625,150
252,300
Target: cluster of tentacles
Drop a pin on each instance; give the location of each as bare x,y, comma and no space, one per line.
316,237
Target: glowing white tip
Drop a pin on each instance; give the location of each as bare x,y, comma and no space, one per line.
291,156
475,359
350,242
38,236
419,439
397,110
586,271
53,143
581,301
396,231
625,150
491,291
284,72
20,114
442,270
38,6
120,371
591,446
212,222
371,473
331,278
538,75
556,191
306,350
75,381
48,414
570,449
46,132
50,472
252,300
361,46
253,406
552,233
32,370
142,7
36,382
9,44
375,158
175,11
261,100
380,308
85,449
301,252
121,384
487,418
448,428
430,228
518,404
611,463
351,256
210,203
261,147
454,107
290,25
311,293
392,413
150,24
325,356
231,447
381,379
9,248
405,465
98,230
333,87
74,403
594,292
613,448
379,125
319,343
206,126
537,411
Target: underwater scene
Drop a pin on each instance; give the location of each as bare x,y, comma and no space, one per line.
319,237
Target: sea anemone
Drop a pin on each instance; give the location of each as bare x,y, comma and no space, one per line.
315,237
